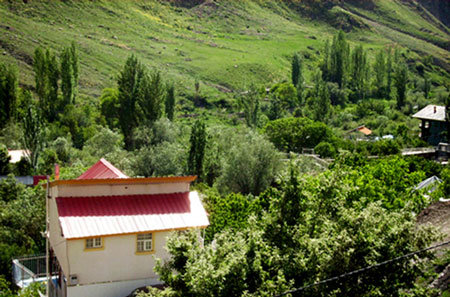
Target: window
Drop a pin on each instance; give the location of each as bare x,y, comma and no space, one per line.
94,243
145,242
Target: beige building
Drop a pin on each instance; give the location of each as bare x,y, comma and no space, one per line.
105,229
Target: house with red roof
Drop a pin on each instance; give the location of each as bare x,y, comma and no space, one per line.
105,229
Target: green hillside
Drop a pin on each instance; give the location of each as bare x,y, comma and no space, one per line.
226,45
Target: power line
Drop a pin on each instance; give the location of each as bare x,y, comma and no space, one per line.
364,269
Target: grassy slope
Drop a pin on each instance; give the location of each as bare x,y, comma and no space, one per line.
225,45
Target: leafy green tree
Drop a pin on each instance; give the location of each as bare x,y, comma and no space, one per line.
162,159
4,160
68,74
170,101
151,97
359,73
129,82
339,59
8,94
249,101
109,107
296,70
286,94
379,69
40,73
197,149
321,100
250,166
389,72
33,140
47,74
401,81
325,150
293,134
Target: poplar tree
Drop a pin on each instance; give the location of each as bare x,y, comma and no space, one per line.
8,94
339,59
295,69
129,82
389,73
170,101
359,72
401,80
197,149
379,68
150,97
69,74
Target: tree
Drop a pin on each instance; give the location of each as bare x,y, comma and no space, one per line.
249,101
379,68
339,59
294,134
170,101
110,107
151,97
401,80
296,70
250,166
197,149
47,74
389,73
129,82
33,130
359,72
69,74
4,161
8,94
321,99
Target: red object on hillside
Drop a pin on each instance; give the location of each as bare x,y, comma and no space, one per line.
102,170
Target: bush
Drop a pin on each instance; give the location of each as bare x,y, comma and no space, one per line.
293,134
325,150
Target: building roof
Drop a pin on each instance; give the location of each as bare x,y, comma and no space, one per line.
431,112
363,129
102,170
82,217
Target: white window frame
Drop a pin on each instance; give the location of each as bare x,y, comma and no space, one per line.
94,243
144,243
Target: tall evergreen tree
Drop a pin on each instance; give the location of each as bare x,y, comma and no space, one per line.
401,80
8,94
197,149
129,82
170,101
53,75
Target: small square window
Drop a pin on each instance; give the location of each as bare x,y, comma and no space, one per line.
144,242
94,243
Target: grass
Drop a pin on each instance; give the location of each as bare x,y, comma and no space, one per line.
226,45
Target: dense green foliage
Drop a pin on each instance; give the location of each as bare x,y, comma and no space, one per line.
314,228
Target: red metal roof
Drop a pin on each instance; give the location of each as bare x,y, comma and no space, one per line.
82,217
102,170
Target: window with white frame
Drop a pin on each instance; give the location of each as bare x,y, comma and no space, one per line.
94,243
144,242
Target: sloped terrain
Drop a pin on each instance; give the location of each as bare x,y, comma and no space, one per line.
226,45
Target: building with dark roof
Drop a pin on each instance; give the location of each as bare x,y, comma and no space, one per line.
433,126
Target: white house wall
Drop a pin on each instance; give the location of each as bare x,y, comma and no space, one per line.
119,189
57,242
112,289
117,261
